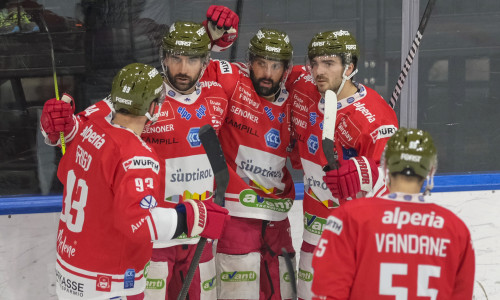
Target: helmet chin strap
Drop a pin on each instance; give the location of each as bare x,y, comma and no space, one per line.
345,78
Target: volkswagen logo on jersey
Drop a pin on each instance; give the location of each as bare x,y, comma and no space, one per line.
193,138
350,100
312,144
339,105
321,125
273,138
171,93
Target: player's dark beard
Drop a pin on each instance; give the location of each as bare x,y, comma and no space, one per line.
264,91
184,87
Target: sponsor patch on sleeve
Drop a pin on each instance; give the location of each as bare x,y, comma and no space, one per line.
141,162
384,131
225,67
334,224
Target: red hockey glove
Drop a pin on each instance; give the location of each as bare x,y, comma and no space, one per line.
354,175
57,116
204,218
222,27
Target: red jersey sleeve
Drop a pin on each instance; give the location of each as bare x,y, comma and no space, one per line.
135,184
336,250
464,282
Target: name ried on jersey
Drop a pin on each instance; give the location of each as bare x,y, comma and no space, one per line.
93,137
242,127
83,158
141,162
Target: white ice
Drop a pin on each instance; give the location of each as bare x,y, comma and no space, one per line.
27,245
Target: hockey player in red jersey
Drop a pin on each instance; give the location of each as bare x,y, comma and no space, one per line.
193,98
396,246
254,139
364,123
110,217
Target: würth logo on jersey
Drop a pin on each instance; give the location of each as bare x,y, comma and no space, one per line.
273,138
400,218
334,225
384,131
141,162
193,138
93,137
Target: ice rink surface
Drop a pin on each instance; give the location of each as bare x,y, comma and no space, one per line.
27,245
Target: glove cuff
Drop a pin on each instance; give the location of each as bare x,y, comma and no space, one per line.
365,172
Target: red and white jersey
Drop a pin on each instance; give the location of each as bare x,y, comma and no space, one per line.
364,124
106,227
184,167
254,138
393,247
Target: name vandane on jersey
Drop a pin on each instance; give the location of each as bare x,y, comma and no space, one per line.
250,167
412,243
180,176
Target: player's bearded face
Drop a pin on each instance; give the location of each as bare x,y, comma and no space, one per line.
183,71
327,72
266,75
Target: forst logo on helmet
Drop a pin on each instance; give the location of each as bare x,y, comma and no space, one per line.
273,138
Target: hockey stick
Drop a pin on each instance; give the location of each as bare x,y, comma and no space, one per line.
52,56
213,149
411,53
327,141
291,272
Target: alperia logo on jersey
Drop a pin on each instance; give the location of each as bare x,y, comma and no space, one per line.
250,198
155,284
305,275
314,224
238,276
209,285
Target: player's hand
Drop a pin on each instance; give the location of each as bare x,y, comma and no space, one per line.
354,175
222,27
203,218
57,116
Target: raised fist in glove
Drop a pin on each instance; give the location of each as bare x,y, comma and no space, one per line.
203,218
57,116
222,27
354,175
